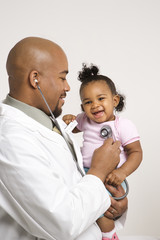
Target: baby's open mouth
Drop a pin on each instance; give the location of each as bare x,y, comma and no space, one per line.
98,114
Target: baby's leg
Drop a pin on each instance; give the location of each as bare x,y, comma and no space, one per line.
105,224
108,228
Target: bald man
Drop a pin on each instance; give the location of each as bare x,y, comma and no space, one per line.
44,193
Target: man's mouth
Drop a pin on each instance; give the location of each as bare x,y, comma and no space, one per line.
62,97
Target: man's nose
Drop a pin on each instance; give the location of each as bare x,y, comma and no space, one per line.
66,87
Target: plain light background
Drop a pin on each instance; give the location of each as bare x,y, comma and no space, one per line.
122,37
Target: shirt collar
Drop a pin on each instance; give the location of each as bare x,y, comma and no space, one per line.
32,112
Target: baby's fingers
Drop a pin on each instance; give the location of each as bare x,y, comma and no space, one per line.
68,121
111,179
68,118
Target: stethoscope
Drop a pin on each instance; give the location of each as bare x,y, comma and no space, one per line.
53,119
106,132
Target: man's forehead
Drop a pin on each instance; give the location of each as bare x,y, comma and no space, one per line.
64,72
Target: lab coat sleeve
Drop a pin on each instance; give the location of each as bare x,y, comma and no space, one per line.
119,224
35,194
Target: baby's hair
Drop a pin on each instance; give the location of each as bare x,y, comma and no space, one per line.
90,74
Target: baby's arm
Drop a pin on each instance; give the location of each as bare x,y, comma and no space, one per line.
134,158
68,119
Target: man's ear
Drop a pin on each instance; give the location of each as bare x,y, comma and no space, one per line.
116,100
82,108
34,78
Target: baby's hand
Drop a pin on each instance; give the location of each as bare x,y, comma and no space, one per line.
116,177
68,118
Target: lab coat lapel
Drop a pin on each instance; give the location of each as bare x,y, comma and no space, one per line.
70,138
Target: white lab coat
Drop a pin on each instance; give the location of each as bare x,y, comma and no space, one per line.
42,194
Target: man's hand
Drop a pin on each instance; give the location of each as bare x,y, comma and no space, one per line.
117,208
105,159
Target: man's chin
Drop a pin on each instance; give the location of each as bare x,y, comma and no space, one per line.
57,112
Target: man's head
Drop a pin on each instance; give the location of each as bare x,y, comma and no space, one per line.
36,58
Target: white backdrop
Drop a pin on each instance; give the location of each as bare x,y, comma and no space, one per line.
123,38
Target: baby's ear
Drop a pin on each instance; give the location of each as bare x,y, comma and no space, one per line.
82,108
116,100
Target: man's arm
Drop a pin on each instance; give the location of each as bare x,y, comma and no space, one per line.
105,159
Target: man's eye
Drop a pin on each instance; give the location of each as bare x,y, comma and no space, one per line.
63,78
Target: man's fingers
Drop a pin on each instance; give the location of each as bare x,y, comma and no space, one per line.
117,144
115,191
108,141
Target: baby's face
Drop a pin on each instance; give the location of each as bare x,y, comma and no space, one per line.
98,102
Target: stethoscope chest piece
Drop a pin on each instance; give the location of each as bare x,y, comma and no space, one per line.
106,132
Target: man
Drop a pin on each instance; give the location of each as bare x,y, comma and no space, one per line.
43,191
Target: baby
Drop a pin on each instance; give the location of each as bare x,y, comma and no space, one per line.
100,101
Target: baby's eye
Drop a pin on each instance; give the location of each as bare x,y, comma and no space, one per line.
101,98
88,102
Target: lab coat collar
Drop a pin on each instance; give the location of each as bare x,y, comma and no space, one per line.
31,111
